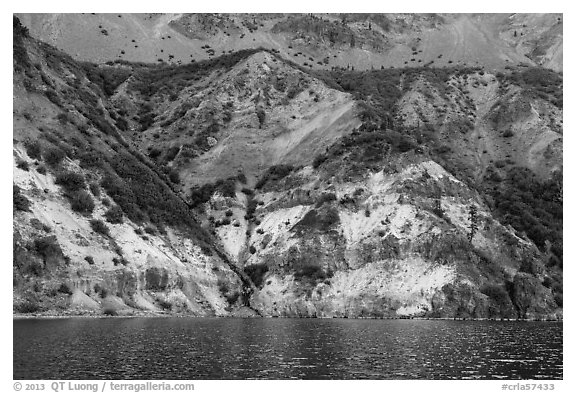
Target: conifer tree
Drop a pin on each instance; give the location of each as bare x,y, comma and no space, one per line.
473,218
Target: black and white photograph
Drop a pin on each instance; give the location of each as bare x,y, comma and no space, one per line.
287,196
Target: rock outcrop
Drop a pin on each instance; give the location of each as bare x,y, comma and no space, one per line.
247,185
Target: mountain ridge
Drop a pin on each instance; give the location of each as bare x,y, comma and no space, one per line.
316,41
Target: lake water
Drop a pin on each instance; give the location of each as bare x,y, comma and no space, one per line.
228,348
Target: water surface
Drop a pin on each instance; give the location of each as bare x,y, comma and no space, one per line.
229,348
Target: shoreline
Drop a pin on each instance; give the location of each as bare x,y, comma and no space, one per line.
16,317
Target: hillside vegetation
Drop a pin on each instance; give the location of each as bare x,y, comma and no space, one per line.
314,41
249,184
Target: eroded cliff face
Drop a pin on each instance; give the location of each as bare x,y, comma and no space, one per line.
306,201
98,228
387,246
63,266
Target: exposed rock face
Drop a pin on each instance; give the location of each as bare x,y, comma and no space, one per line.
530,297
387,253
158,273
306,201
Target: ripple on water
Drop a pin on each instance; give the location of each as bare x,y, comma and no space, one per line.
190,348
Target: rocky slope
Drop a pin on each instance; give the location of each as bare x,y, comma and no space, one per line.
316,41
385,247
250,185
259,112
97,228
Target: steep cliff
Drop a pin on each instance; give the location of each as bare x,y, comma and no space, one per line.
98,227
250,185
